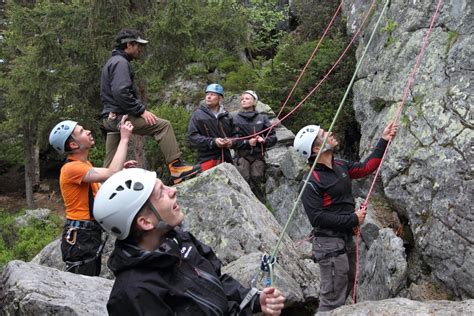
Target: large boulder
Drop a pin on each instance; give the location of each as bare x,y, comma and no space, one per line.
285,171
403,306
427,176
39,214
223,212
31,289
384,272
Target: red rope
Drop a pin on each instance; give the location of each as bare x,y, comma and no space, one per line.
356,34
397,117
308,62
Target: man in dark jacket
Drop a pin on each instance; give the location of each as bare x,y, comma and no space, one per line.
210,129
250,160
159,268
329,204
119,97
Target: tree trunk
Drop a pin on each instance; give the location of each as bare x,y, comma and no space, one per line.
31,160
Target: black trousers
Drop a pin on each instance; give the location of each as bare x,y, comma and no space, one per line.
79,248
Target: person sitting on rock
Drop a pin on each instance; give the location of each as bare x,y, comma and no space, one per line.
329,204
119,97
159,268
81,242
250,161
210,130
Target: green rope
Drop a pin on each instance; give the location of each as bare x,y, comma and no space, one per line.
327,135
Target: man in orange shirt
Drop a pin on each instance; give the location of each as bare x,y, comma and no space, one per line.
81,243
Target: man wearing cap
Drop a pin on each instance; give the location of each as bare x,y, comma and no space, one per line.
250,160
210,129
81,242
119,97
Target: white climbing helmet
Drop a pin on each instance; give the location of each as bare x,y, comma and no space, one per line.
60,133
253,94
304,140
121,197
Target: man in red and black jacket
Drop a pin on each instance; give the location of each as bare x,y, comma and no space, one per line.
330,206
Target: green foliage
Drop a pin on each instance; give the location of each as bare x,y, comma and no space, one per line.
270,207
97,155
179,119
266,18
321,106
245,77
314,16
229,64
389,27
378,104
25,242
452,38
195,70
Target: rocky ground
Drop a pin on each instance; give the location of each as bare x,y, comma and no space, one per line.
12,193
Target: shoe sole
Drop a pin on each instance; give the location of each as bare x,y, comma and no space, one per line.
186,177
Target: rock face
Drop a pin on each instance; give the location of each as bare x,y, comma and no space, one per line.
385,268
428,174
40,214
403,306
31,289
223,212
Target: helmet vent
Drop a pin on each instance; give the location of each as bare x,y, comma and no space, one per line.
119,188
128,183
138,186
112,196
116,230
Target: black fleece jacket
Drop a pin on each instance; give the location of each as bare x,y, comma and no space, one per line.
182,277
249,123
117,90
203,129
328,200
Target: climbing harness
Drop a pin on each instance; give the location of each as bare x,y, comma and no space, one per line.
70,265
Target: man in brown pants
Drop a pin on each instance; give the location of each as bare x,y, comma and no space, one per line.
119,97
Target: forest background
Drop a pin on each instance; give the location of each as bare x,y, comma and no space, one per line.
51,54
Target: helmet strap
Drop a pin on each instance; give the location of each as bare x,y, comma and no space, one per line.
78,143
162,225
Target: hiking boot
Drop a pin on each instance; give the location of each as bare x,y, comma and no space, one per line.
181,171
